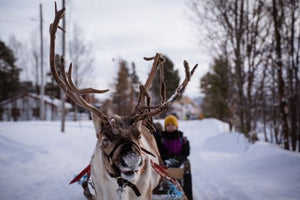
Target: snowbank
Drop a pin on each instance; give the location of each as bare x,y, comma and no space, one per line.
227,143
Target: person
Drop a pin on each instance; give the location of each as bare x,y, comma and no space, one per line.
157,135
174,147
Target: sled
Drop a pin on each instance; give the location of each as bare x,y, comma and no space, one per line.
182,175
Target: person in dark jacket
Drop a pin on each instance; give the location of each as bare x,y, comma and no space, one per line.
174,147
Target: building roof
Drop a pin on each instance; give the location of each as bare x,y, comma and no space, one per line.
47,99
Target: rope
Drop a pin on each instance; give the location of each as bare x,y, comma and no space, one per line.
173,193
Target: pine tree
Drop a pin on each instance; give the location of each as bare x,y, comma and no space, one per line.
9,73
121,96
215,86
134,87
133,75
171,79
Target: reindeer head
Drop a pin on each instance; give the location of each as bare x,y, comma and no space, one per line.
119,137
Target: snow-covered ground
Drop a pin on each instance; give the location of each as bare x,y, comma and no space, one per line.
38,162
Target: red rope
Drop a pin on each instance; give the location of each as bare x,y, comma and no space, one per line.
87,171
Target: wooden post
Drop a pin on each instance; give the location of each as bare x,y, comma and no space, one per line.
42,89
62,95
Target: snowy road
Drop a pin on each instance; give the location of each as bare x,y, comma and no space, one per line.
37,162
206,159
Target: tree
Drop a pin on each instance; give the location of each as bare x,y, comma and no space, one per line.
51,87
22,54
9,72
121,97
237,30
172,80
134,87
82,61
35,62
278,15
215,86
261,39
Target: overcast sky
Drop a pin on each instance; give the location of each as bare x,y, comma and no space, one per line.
130,29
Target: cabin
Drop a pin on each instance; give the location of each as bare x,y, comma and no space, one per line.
186,109
26,106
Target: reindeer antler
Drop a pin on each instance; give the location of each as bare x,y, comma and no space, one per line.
158,61
65,82
146,112
143,109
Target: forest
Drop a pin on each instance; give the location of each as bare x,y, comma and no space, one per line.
253,82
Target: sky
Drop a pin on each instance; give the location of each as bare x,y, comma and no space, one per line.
115,29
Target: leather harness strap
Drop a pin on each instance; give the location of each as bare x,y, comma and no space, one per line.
148,152
123,183
121,143
162,171
86,170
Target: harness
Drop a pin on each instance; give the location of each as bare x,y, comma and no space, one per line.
121,181
116,172
84,176
124,142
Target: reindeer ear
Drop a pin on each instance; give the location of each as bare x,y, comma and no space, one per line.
97,124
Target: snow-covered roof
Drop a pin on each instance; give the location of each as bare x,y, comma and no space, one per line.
47,99
55,101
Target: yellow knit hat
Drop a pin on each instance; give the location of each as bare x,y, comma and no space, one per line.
171,119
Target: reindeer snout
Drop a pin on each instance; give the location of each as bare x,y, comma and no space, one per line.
131,156
131,160
130,165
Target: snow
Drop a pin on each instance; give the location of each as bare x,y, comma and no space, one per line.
37,161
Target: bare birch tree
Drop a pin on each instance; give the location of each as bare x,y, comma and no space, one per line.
261,39
82,61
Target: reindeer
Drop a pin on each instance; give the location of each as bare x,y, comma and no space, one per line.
125,149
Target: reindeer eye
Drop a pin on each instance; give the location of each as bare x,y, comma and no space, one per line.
105,140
